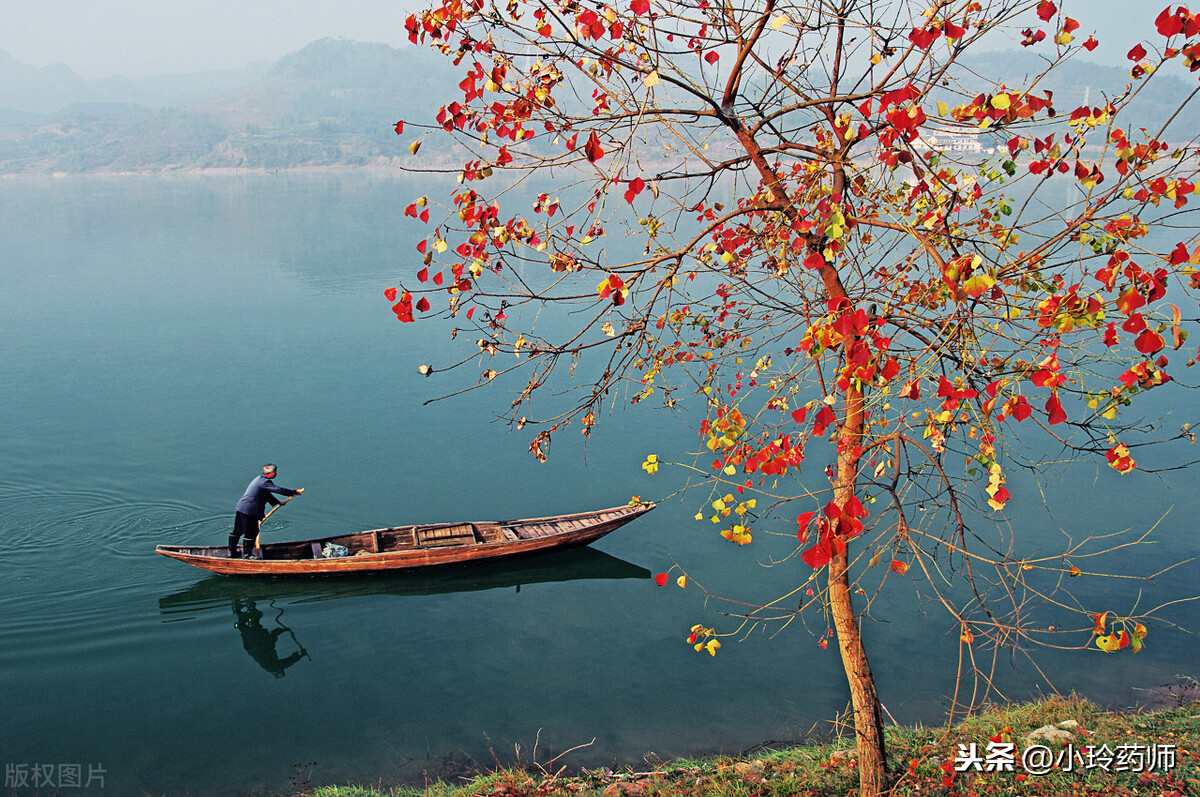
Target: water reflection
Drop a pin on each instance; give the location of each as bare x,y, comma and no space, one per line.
262,644
215,592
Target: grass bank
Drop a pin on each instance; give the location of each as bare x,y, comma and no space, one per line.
1051,747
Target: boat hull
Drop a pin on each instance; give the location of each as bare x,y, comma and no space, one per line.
403,548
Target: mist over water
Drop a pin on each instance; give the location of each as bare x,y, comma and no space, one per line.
161,338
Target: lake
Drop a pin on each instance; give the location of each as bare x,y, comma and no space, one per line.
163,337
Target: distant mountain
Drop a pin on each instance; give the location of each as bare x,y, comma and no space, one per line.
332,103
53,88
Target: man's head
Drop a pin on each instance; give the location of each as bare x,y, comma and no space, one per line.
269,470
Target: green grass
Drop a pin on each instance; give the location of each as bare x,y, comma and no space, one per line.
922,762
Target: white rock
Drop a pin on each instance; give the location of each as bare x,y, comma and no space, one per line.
1048,733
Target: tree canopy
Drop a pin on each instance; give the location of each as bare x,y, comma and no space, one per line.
864,259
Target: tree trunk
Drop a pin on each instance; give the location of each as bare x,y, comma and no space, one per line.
868,715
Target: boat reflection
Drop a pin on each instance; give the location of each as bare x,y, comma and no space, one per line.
218,593
261,644
579,563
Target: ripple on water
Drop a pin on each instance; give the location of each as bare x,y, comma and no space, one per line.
34,517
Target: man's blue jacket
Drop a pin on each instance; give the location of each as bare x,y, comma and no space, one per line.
258,495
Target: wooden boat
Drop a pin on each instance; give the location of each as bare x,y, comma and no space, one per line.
413,547
214,593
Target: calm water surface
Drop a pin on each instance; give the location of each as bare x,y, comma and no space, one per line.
161,338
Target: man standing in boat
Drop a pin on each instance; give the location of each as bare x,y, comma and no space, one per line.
252,507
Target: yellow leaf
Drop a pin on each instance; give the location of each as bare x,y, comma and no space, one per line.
1001,102
712,646
651,79
681,581
779,21
978,284
943,109
413,147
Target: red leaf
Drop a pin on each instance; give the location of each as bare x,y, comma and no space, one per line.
390,294
423,304
924,37
1022,410
799,415
470,312
1137,53
712,57
1091,44
814,260
423,275
1045,10
802,521
854,507
421,247
399,127
1032,37
1135,323
1110,335
592,149
636,186
1149,342
1169,24
822,421
661,579
817,556
438,278
640,7
1054,409
403,308
425,216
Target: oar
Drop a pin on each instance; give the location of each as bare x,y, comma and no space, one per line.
257,537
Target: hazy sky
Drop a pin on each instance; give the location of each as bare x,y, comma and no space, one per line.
137,38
